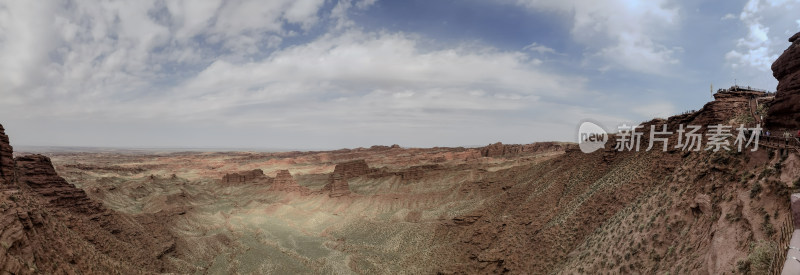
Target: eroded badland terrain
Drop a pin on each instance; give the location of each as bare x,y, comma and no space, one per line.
541,208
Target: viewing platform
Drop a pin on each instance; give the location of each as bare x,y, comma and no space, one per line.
737,90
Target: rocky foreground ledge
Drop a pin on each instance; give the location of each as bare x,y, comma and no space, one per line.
785,111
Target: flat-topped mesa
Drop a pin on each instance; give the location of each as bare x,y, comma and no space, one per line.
6,159
352,169
284,182
256,175
785,110
337,182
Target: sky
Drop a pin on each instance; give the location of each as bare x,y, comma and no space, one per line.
326,74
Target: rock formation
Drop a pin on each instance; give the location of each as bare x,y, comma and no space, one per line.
37,172
417,172
244,177
337,186
285,182
785,110
504,150
49,226
6,158
727,105
337,183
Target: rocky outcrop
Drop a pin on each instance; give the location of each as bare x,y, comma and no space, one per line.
6,158
725,107
244,177
337,183
124,239
48,226
785,110
506,150
337,186
417,172
352,169
37,172
284,182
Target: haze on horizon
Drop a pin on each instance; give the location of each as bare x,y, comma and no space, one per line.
332,74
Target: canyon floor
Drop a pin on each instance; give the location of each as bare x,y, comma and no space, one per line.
230,223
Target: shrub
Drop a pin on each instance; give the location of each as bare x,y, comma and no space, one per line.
733,217
760,256
743,266
755,190
768,229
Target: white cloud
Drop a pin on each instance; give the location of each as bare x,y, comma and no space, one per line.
186,63
360,76
25,41
728,16
757,50
85,50
344,7
541,49
606,29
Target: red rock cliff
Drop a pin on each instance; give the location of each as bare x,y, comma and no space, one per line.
337,183
6,158
37,172
48,226
501,150
285,182
785,111
244,177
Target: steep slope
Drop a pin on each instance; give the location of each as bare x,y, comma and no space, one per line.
6,158
49,226
653,212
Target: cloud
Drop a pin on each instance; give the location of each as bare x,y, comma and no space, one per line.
541,49
757,50
224,63
181,64
89,51
605,29
728,16
340,12
358,76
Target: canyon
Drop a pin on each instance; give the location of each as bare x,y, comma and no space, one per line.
540,208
